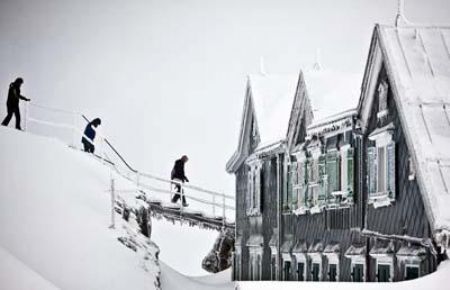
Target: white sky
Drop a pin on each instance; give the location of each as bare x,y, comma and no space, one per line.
167,77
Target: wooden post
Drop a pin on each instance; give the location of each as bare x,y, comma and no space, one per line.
25,127
113,203
73,130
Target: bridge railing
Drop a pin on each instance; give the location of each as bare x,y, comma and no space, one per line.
68,127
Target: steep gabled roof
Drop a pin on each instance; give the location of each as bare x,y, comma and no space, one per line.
331,92
268,101
322,96
272,97
417,61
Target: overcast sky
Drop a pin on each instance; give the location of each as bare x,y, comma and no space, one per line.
168,77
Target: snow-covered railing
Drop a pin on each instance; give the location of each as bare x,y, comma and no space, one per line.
68,126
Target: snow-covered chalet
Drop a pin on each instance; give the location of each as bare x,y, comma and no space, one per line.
338,180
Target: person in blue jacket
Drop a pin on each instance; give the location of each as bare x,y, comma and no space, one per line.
89,135
12,104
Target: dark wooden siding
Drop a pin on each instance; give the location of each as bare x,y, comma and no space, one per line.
407,214
241,219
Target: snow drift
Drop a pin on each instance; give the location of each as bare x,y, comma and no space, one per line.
54,218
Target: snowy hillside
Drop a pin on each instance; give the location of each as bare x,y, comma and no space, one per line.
54,218
55,213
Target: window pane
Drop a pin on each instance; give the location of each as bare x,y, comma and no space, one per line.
300,272
315,271
358,273
381,169
333,168
412,273
332,272
287,270
383,273
372,169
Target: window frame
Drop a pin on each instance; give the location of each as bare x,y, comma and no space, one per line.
333,259
315,258
254,188
383,168
389,261
353,266
285,261
357,260
300,258
411,265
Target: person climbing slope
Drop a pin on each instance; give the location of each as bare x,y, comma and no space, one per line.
179,176
12,104
89,135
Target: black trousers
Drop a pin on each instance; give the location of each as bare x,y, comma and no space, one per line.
88,147
177,196
12,110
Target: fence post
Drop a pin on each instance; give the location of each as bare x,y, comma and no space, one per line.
73,129
214,205
113,203
223,208
25,125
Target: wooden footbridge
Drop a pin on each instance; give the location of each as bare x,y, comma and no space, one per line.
143,192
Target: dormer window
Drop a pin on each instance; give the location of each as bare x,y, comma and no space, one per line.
381,167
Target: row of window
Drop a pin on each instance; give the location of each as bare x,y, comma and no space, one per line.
327,180
303,269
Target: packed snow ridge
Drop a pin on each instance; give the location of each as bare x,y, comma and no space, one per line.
55,217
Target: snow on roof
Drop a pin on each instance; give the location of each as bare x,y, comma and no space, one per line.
418,59
331,92
272,97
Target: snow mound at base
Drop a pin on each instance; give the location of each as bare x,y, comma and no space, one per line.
172,280
433,281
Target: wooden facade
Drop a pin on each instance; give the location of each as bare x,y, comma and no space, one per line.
338,199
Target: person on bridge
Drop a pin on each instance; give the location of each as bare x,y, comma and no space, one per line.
89,135
12,104
179,177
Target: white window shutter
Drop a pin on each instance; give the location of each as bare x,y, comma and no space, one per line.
333,170
391,170
372,169
322,178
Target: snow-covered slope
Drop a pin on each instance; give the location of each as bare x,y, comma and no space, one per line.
55,213
54,218
15,275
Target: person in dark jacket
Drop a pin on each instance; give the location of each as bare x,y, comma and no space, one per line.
179,176
12,104
89,135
